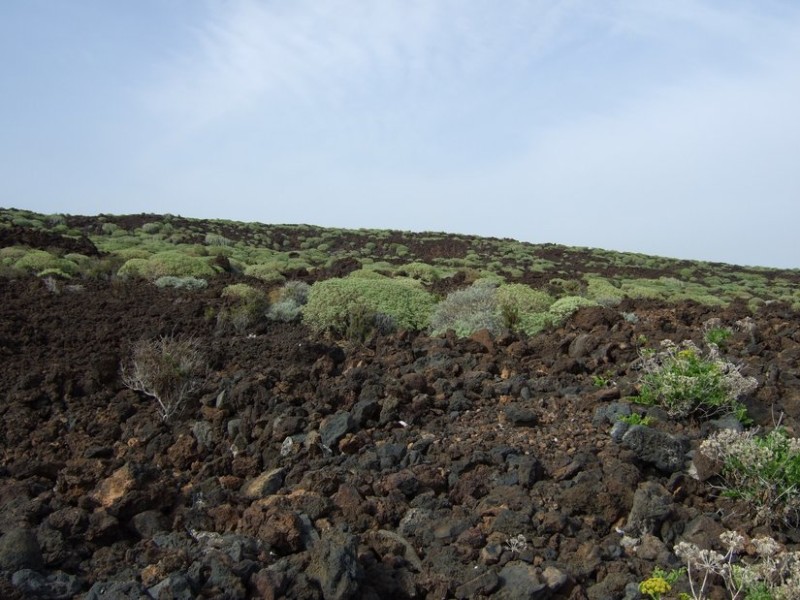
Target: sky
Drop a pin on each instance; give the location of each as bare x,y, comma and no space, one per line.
666,127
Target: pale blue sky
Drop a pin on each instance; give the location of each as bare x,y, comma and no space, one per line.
667,127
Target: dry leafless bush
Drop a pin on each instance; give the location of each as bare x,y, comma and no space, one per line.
168,369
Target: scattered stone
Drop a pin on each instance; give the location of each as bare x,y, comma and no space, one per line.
610,413
521,416
117,590
148,523
483,584
55,586
657,447
334,427
554,578
176,587
651,505
264,485
20,550
334,565
111,489
521,582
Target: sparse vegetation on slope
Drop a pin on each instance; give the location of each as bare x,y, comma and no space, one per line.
173,432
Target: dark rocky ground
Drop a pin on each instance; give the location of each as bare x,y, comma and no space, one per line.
414,463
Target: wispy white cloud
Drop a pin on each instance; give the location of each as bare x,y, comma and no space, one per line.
310,52
622,124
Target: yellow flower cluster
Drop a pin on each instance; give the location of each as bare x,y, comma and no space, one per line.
654,587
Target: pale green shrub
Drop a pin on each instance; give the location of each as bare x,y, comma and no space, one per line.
268,273
467,311
182,283
241,291
50,273
289,301
151,228
333,303
172,263
521,307
215,239
248,305
422,271
37,261
563,308
11,254
603,291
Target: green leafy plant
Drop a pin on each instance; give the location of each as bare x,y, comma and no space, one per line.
763,470
602,381
171,262
684,382
521,307
565,307
718,336
637,419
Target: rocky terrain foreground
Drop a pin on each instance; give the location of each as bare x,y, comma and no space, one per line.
406,467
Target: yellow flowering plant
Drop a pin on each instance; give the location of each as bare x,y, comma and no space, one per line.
659,583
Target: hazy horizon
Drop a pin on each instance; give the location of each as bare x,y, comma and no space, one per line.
669,128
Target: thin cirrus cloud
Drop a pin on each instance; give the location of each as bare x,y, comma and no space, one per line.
658,126
326,55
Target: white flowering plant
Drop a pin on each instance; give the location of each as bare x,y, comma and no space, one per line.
770,572
764,470
686,382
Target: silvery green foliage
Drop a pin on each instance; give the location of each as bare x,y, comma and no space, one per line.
296,291
467,311
284,310
292,297
181,283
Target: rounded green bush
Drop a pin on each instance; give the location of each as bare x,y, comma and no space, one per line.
333,301
172,263
467,311
36,261
241,291
563,308
268,273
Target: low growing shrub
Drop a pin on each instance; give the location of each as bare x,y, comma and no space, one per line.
168,369
166,263
563,308
37,261
240,291
520,306
467,311
246,306
289,301
181,283
268,273
763,470
333,303
685,383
